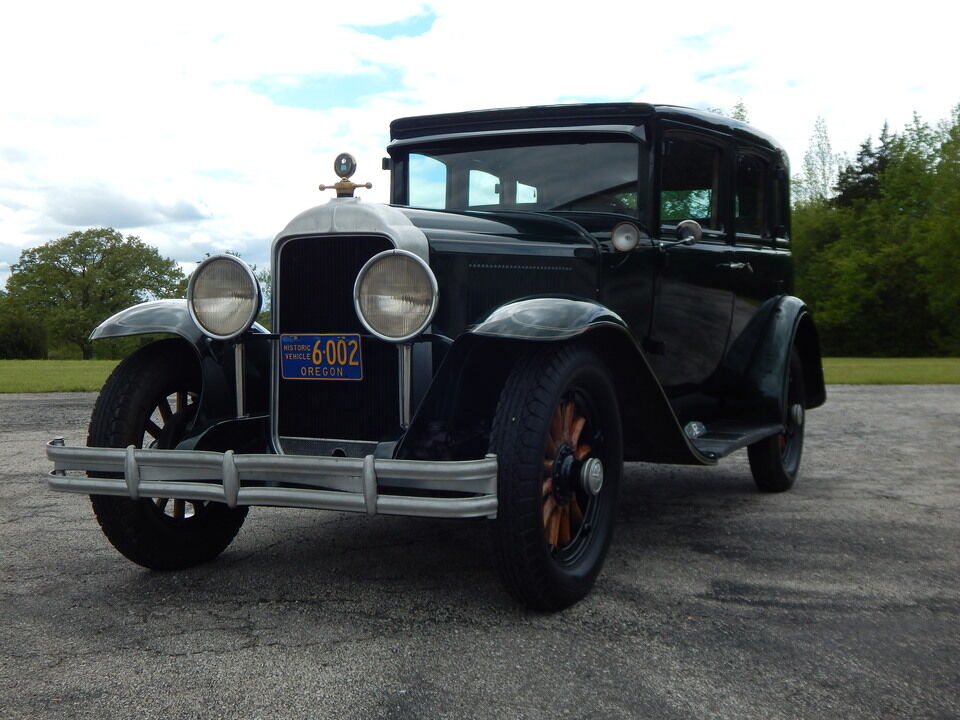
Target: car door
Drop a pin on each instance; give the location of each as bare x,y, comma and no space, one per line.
694,297
761,269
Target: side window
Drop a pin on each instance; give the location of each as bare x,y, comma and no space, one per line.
690,182
753,176
428,182
526,194
484,189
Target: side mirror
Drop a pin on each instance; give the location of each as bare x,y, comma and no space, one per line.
689,232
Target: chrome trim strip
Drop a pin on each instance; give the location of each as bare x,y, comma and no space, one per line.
328,483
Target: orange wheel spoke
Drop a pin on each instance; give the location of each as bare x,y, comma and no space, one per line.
583,451
575,513
553,529
556,427
564,535
578,425
548,506
546,487
567,420
161,503
179,509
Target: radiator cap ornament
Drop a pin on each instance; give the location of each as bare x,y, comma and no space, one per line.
345,166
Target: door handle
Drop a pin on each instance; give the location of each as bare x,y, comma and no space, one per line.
737,266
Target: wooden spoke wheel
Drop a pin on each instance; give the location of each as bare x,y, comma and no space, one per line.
557,438
150,401
775,461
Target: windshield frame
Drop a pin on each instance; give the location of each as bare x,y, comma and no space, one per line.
466,143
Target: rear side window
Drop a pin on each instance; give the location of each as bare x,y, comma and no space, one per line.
690,182
752,196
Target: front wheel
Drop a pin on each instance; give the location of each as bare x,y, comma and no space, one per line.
149,401
557,438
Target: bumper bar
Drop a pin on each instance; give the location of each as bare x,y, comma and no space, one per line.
325,483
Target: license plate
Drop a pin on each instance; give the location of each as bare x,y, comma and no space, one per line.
332,356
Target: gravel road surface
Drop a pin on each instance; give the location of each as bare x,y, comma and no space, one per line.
839,599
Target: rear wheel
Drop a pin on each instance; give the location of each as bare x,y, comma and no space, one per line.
557,438
775,461
149,401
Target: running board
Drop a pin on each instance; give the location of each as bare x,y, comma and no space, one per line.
723,438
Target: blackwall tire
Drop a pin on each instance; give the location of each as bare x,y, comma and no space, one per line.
147,402
557,424
775,461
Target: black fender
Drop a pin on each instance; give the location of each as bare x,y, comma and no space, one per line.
453,420
753,375
216,358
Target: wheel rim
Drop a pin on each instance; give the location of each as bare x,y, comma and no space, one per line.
568,509
791,439
164,427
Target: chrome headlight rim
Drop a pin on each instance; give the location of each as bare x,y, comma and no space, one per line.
434,292
249,277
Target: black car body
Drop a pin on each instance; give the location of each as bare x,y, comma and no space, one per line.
551,291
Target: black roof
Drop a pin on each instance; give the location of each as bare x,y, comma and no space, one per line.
581,115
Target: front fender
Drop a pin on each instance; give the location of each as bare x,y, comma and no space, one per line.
218,398
156,316
454,418
545,319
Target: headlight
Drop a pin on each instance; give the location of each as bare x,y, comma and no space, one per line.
223,296
395,295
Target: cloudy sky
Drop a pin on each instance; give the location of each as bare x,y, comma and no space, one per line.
205,126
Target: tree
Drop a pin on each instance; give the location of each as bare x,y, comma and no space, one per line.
77,281
818,179
21,336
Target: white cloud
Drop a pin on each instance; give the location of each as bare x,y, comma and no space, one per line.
156,106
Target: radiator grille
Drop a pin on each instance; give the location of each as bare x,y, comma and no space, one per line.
315,277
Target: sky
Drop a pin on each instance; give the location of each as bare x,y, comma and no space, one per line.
204,127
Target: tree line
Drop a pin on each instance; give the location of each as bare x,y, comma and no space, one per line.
876,244
876,241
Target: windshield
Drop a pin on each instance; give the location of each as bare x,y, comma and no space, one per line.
584,176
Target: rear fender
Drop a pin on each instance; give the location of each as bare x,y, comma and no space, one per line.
755,369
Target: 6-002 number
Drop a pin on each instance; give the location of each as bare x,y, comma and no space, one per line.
336,352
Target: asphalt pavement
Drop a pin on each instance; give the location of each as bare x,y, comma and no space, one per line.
838,599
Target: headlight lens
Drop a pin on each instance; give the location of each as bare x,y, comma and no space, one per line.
223,296
395,295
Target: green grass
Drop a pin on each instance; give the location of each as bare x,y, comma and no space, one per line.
30,376
892,371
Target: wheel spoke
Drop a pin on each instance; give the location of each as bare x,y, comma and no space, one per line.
546,487
166,412
567,421
578,425
553,529
179,509
565,535
583,451
161,503
181,401
575,514
153,430
548,507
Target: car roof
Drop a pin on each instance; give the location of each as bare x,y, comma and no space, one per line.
580,116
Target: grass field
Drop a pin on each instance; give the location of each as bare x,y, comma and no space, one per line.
892,371
29,376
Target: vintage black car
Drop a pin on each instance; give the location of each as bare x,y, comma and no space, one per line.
552,291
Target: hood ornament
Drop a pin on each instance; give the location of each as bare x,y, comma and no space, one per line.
344,166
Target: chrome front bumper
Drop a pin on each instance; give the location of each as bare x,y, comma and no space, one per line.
325,483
